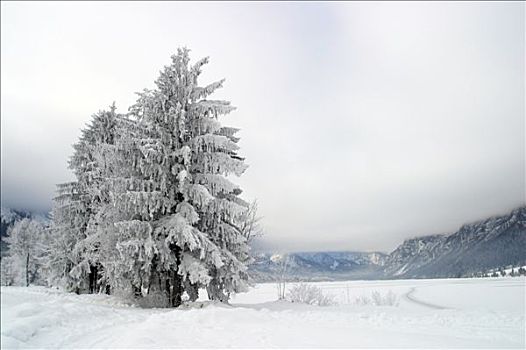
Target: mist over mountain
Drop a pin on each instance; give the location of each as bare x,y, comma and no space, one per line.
476,247
319,266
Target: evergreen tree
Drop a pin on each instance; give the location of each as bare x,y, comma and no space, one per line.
68,225
183,214
23,240
152,210
80,239
93,163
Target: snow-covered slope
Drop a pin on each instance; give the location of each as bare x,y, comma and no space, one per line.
480,246
456,313
413,253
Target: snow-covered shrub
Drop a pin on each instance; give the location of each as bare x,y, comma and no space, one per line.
377,299
389,299
282,261
309,294
362,300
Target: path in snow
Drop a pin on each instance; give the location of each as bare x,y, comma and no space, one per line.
409,296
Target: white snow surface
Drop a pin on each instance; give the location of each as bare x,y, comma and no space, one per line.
439,313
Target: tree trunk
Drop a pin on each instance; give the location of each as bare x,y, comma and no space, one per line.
177,293
136,291
175,282
27,270
192,290
215,291
93,274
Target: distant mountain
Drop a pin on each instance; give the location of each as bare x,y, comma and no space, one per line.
413,253
480,246
319,266
477,247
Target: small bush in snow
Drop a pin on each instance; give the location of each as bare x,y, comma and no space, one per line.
377,299
362,300
308,294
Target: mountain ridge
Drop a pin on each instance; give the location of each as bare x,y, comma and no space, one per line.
477,246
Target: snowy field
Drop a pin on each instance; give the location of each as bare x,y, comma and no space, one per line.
447,313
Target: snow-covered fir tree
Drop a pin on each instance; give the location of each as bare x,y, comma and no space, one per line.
153,210
183,214
68,224
93,163
78,233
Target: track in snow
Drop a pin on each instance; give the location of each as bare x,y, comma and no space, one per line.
409,296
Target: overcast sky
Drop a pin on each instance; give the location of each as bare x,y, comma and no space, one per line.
363,123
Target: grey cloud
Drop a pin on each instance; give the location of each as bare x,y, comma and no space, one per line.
363,123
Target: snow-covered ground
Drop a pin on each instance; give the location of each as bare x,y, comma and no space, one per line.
447,313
